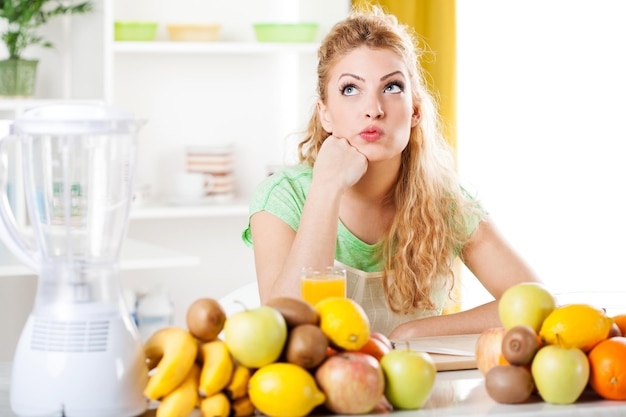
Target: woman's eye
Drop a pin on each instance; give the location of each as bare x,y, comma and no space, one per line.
349,90
394,88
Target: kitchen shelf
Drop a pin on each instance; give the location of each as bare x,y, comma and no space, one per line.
174,211
232,48
18,105
136,255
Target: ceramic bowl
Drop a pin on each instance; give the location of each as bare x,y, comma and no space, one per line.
135,31
193,32
285,32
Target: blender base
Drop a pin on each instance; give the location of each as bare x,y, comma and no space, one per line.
79,368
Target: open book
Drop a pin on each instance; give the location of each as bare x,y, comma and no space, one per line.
449,352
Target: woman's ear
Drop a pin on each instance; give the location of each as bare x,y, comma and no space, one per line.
325,120
415,119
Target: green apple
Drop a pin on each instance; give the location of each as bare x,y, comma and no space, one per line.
256,337
409,377
528,303
560,374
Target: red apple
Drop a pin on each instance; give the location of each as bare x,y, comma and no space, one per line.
489,348
353,382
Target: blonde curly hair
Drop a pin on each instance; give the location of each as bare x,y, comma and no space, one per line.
429,227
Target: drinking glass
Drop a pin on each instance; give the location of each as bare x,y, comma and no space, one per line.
318,283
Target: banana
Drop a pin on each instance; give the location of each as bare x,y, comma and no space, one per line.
181,401
238,385
172,351
217,368
241,407
216,405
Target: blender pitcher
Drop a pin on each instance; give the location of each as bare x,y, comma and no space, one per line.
79,353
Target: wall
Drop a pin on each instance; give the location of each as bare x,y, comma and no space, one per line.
191,99
541,110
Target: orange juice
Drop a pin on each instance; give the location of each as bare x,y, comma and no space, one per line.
316,288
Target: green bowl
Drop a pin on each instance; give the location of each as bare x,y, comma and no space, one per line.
135,31
285,32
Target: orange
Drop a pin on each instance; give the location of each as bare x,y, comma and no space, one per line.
344,322
384,339
620,320
579,326
375,347
607,364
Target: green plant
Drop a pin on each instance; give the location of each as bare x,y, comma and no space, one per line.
25,16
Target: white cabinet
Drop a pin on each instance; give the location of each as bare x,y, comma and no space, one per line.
252,95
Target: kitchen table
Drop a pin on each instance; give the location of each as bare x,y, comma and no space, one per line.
456,393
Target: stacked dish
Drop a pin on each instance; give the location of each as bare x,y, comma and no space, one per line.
217,164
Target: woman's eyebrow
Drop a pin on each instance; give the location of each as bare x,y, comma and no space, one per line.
347,74
391,74
383,78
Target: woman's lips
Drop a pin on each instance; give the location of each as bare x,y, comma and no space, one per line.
371,134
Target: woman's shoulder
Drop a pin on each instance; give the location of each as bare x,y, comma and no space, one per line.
293,172
288,183
290,177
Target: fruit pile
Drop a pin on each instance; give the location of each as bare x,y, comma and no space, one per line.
285,358
554,351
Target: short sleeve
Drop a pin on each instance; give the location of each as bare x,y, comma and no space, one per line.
281,194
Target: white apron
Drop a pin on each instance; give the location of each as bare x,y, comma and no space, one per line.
366,288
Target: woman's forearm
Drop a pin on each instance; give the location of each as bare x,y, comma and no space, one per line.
474,320
316,238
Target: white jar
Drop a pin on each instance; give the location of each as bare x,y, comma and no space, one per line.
155,311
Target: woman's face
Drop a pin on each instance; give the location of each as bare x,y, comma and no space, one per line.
369,103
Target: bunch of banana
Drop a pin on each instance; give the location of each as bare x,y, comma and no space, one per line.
223,383
172,351
187,374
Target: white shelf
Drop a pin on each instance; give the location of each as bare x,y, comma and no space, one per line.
213,47
176,211
136,255
18,105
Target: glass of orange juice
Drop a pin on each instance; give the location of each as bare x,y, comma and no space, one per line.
323,282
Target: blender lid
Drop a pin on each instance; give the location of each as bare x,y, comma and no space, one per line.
77,119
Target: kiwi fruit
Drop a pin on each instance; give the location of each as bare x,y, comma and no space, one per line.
519,345
295,311
306,346
205,319
509,384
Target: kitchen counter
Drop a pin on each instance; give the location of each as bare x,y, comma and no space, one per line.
456,393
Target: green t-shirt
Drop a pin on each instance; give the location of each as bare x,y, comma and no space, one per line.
283,194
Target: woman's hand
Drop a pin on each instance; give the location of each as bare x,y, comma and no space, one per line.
339,162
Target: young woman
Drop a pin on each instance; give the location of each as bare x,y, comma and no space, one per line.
377,192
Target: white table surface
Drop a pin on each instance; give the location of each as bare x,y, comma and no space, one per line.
456,393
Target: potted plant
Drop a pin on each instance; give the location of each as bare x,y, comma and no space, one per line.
22,19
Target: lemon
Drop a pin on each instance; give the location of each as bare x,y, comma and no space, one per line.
344,322
576,326
284,390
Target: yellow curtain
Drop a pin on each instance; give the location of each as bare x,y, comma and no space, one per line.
435,22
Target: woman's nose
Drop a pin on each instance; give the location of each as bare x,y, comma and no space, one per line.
374,108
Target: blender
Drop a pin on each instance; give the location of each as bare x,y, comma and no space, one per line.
79,353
